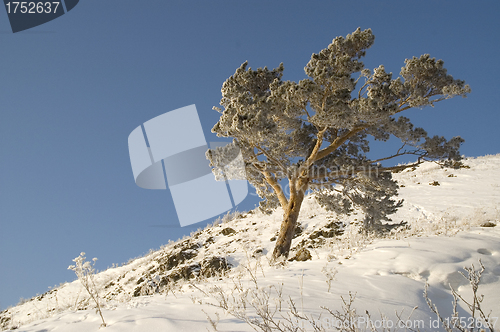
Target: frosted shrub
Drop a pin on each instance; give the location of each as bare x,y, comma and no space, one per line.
479,321
229,216
85,272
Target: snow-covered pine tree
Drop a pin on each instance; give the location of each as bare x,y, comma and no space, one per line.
314,133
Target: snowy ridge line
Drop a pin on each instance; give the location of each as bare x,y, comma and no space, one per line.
163,290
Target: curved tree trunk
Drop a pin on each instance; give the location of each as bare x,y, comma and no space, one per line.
284,241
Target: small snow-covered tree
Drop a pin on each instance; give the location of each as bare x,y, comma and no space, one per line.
314,133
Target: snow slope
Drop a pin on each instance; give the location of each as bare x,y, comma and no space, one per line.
444,208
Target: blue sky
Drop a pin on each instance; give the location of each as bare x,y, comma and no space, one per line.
73,89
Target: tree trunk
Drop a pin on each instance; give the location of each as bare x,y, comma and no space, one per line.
284,241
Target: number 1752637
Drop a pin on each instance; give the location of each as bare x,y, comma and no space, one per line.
32,7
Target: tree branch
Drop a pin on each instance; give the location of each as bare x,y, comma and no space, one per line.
400,167
308,115
360,127
398,154
351,173
339,141
312,157
283,168
360,89
277,189
270,179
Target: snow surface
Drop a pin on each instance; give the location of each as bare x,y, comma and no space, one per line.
387,275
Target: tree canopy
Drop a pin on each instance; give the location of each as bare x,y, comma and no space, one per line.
315,133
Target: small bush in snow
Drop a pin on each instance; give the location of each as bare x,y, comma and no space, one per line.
85,272
479,320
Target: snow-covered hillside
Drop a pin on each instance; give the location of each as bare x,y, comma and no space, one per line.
447,212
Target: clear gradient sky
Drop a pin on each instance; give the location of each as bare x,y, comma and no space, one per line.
73,89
